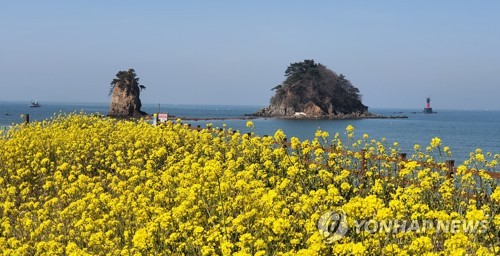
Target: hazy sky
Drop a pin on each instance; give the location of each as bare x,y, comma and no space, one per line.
233,52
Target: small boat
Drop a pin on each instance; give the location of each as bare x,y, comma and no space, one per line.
35,104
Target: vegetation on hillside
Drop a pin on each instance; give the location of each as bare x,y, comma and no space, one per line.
85,185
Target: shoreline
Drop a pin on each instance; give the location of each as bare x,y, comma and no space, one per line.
210,118
252,117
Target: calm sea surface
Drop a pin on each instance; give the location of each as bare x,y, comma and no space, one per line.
463,131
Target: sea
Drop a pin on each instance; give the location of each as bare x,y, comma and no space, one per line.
463,131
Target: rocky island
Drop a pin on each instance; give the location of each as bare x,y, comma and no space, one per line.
310,90
125,91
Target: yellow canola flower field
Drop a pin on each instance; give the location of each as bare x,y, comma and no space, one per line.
86,185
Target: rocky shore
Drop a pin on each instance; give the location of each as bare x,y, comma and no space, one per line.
265,113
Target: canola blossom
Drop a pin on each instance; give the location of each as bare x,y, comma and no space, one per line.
87,185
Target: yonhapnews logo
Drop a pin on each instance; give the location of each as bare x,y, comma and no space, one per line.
333,225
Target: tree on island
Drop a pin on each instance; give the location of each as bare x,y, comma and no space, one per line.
125,91
316,91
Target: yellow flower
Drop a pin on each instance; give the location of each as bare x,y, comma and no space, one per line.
475,214
480,157
279,135
345,186
280,226
250,124
349,128
457,244
495,196
377,187
447,151
435,142
421,245
350,131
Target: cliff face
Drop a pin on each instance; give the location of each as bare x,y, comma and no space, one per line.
125,101
313,91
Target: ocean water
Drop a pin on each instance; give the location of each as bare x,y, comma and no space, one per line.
463,131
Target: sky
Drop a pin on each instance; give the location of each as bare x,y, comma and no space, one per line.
233,52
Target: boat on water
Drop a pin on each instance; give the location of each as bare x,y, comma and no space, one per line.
35,104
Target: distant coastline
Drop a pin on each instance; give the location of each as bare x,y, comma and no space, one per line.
251,117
